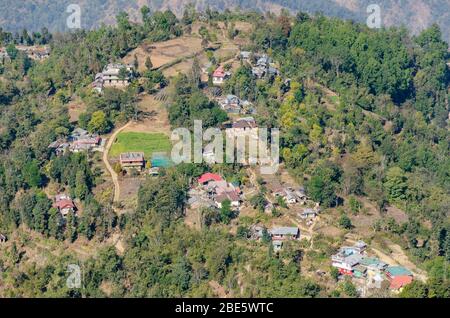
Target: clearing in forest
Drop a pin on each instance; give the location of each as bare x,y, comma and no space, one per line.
140,142
75,108
166,52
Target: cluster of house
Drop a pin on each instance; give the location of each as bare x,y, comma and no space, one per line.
79,140
33,52
234,105
277,234
353,261
263,66
111,77
291,195
64,204
212,190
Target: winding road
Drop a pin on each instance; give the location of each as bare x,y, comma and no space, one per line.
114,175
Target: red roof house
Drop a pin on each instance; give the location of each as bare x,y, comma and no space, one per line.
399,282
219,72
64,204
209,177
219,75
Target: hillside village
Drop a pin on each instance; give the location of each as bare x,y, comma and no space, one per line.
37,53
334,245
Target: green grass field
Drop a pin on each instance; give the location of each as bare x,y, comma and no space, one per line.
140,142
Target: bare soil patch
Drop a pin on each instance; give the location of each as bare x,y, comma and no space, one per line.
183,67
330,230
399,215
192,218
129,188
75,108
162,53
154,117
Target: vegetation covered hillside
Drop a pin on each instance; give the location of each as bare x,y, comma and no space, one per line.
33,15
363,116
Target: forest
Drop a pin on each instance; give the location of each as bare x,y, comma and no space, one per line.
33,15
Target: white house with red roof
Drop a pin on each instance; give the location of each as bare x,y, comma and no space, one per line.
64,204
219,76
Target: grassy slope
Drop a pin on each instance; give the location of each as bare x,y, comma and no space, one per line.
137,141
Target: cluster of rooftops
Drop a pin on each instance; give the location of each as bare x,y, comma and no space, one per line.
263,66
78,141
212,190
353,261
234,105
33,52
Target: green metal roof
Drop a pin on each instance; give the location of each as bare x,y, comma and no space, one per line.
397,271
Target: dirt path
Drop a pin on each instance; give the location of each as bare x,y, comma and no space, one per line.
114,175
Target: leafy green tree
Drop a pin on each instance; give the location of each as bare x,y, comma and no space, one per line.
12,51
396,183
323,184
99,123
354,204
55,224
32,174
334,273
81,188
414,290
71,227
266,238
349,289
345,222
226,213
242,232
145,12
164,198
258,202
40,213
123,73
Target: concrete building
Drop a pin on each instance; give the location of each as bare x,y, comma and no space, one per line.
132,160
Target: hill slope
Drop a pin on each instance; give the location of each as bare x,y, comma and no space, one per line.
35,14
